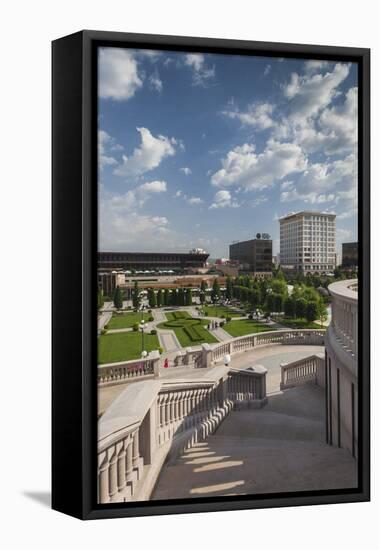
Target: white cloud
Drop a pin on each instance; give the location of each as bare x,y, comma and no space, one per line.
202,74
153,187
310,93
194,200
315,65
257,115
147,156
118,74
178,194
105,144
259,200
187,171
155,82
244,167
267,70
325,182
222,199
122,226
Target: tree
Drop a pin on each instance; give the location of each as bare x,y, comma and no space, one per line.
136,297
229,289
270,303
152,298
215,294
181,297
188,297
160,298
278,302
300,307
203,290
166,297
311,311
254,297
117,298
100,299
174,297
289,307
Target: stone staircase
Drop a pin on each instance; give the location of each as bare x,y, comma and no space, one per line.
279,448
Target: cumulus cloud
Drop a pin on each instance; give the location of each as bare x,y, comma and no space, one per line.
325,182
105,144
118,74
155,82
223,199
244,167
309,93
122,225
187,171
148,155
258,115
201,73
194,200
267,70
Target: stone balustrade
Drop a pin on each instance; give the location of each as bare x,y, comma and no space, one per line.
313,337
307,370
344,325
154,420
128,371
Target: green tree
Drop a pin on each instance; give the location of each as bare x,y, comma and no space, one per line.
229,289
136,296
100,299
181,297
311,311
300,307
166,297
289,307
188,297
254,297
215,294
152,298
203,290
278,302
117,298
270,304
160,298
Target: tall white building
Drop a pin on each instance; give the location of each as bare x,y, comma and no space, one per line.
308,241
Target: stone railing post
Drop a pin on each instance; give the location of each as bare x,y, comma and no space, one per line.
154,357
206,355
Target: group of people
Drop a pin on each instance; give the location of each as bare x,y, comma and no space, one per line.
213,325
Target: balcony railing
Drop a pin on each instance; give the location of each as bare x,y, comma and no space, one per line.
307,370
154,420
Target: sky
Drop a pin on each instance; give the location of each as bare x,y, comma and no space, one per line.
200,150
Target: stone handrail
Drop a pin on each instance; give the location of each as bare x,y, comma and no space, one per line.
344,325
154,420
302,371
286,337
128,371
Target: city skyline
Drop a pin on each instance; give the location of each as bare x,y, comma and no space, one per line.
200,150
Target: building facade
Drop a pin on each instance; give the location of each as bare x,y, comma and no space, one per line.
254,255
349,254
341,367
165,261
308,242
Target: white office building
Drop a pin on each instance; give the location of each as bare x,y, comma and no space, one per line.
308,242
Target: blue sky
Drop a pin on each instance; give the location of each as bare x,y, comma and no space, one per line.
199,150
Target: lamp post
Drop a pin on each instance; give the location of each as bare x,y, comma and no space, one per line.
227,360
142,327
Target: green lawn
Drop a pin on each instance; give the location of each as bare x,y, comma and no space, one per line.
217,311
245,326
189,331
297,323
124,346
126,320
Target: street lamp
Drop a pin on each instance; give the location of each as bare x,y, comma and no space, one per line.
144,354
227,360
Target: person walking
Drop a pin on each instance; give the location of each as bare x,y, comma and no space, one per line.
165,364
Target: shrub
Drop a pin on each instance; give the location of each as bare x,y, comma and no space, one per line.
103,331
222,316
160,349
149,311
106,327
228,319
222,323
151,318
206,313
250,316
135,327
153,331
